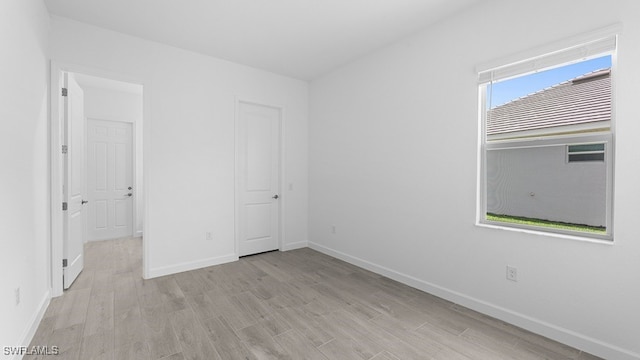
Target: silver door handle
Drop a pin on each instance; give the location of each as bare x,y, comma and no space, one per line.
275,196
129,194
84,202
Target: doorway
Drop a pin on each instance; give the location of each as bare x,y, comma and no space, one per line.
107,153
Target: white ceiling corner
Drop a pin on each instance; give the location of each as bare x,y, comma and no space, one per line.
298,38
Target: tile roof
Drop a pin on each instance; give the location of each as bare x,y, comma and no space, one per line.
585,99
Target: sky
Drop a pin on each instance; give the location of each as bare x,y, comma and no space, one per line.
505,91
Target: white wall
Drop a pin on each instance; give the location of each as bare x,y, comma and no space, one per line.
572,192
393,165
189,140
109,104
24,180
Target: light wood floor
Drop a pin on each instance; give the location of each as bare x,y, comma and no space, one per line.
280,305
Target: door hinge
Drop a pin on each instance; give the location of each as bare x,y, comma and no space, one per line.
64,262
65,91
65,149
64,206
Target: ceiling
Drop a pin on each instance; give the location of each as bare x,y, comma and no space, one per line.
297,38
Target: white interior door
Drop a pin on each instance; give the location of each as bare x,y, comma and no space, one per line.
109,179
258,183
73,251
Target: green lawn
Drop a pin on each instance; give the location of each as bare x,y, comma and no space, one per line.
545,223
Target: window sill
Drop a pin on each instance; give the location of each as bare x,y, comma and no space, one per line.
602,239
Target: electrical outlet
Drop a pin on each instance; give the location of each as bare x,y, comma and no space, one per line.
333,229
512,273
17,296
209,236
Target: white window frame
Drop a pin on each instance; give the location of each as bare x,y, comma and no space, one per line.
600,43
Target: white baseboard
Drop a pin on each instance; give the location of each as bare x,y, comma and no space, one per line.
138,234
295,245
565,336
34,322
191,265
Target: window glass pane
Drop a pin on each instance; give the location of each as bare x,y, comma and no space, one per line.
586,147
532,183
509,90
586,157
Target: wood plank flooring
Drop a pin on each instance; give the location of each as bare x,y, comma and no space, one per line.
298,304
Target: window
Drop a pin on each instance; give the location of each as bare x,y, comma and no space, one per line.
546,142
585,152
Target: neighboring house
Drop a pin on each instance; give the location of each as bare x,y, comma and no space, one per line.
559,182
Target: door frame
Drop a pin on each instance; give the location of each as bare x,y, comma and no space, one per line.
281,174
56,132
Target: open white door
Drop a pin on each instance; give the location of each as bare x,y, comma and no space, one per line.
259,178
73,251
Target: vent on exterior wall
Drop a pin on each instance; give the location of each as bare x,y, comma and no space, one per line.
585,152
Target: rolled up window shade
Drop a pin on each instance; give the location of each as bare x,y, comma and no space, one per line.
586,50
